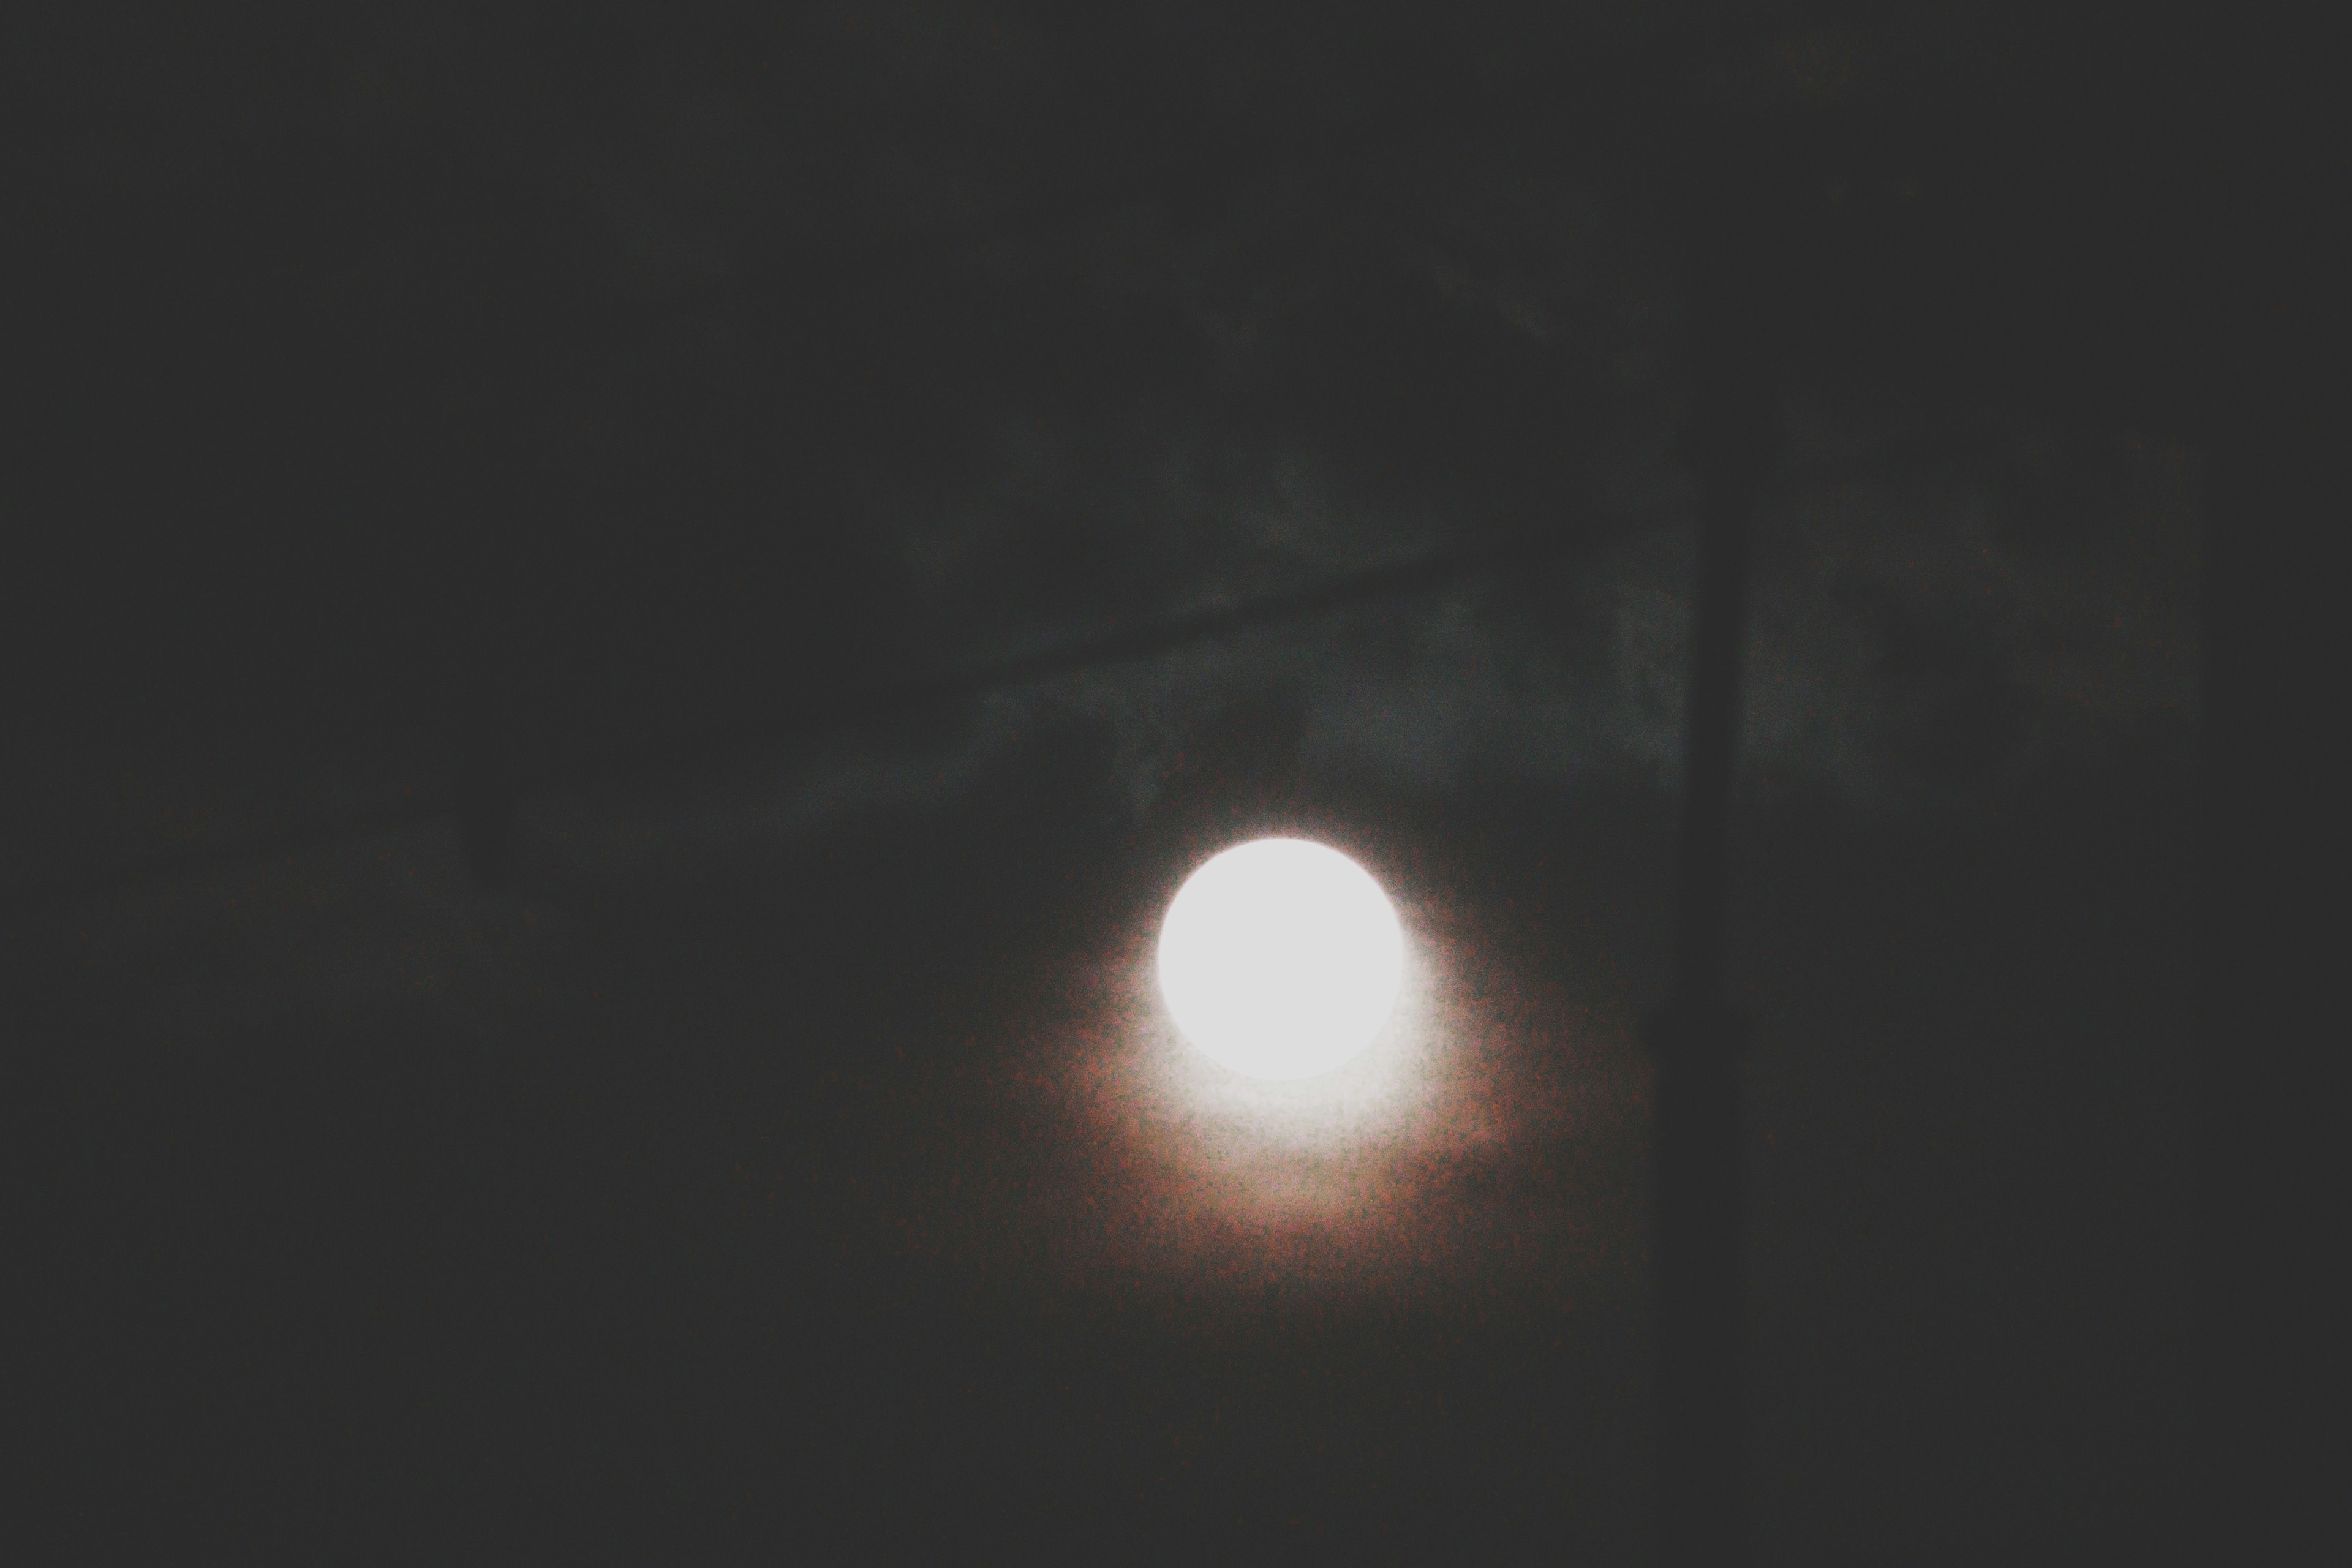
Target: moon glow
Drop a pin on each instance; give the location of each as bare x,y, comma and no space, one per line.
1281,959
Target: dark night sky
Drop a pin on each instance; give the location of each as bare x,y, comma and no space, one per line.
785,1152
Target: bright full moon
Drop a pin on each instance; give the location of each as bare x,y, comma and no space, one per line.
1281,959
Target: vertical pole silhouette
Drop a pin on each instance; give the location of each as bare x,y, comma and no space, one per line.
1698,1038
486,805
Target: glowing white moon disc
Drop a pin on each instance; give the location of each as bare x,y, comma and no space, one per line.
1281,959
